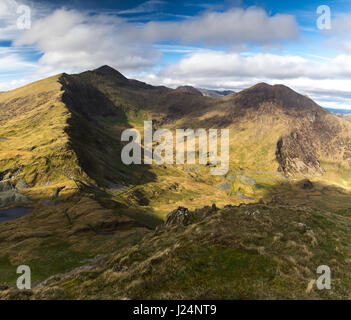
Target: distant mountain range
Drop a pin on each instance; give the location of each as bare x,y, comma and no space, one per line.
215,93
204,92
339,111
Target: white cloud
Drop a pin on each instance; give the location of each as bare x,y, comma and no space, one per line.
71,40
327,81
235,26
259,66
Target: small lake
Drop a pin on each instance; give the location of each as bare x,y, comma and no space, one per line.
13,213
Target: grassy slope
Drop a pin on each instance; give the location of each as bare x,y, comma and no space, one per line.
54,238
223,254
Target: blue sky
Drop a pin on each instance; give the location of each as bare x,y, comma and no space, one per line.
229,44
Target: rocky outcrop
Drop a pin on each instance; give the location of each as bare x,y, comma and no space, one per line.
184,216
177,216
10,197
5,185
225,186
296,154
247,180
8,193
21,184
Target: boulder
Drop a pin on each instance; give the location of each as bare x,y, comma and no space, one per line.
225,186
176,216
10,197
21,184
247,180
5,185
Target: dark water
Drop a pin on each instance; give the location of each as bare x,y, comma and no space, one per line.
13,213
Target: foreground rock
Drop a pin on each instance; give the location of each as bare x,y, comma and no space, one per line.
11,197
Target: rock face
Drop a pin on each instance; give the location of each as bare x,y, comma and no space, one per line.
247,180
8,194
176,216
296,154
21,184
9,197
225,186
5,185
184,216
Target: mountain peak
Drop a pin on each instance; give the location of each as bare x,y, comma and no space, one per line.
109,71
277,94
189,90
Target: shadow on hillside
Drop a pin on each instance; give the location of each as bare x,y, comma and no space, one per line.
97,149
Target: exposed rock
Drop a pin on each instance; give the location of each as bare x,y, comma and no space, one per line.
304,227
248,213
296,154
176,216
184,216
242,196
247,180
306,184
174,186
10,173
21,184
225,186
119,268
10,197
5,185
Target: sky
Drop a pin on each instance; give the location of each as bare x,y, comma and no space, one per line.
222,45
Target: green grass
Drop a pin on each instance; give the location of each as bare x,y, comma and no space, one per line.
227,272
